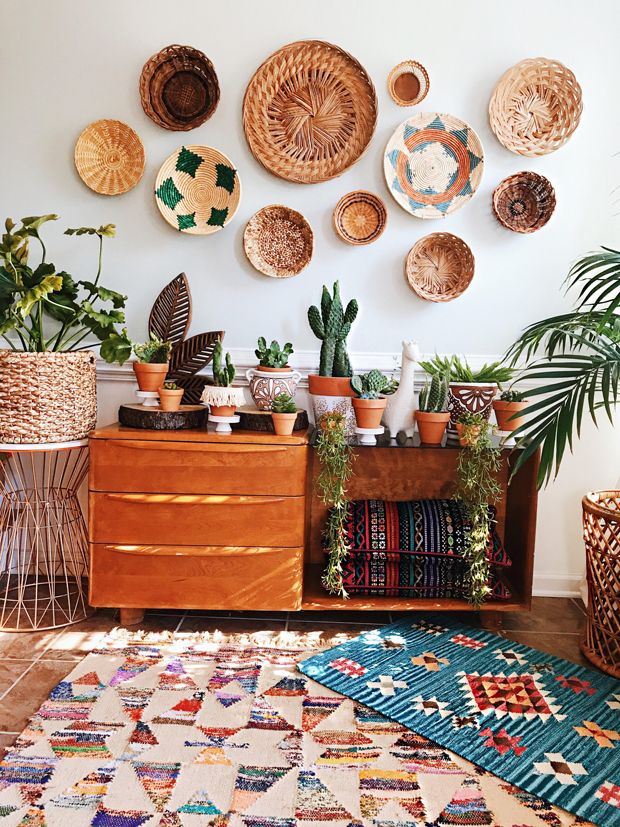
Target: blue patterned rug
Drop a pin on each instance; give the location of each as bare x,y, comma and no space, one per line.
542,723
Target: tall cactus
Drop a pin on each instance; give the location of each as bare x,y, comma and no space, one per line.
434,395
223,374
331,324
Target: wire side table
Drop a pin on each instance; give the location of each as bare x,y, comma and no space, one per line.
43,538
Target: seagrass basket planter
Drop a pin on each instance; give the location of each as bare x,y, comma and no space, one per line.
601,533
47,397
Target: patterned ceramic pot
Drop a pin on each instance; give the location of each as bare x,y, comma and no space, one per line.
469,397
266,383
332,393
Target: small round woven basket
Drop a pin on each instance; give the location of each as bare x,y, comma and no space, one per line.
601,534
408,83
109,157
179,88
278,241
47,397
524,202
360,217
535,107
439,267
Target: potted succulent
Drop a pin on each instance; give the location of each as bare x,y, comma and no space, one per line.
221,397
469,427
273,374
368,402
283,414
432,415
153,363
170,396
507,409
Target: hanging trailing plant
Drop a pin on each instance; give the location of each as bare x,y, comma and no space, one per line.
479,488
336,457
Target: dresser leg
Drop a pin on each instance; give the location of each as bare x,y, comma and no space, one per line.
491,621
131,617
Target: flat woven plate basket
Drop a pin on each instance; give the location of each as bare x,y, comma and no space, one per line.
360,217
524,202
433,164
536,106
439,267
408,83
278,241
109,157
197,190
179,89
309,112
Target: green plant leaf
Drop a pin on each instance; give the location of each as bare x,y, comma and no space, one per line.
108,230
34,294
33,222
116,347
105,294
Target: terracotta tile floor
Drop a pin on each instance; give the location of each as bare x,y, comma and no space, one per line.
32,664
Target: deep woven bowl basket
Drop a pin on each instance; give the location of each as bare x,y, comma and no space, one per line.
47,397
360,217
439,267
524,202
601,534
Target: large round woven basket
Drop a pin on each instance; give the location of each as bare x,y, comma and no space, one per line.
524,202
47,397
109,157
601,534
439,267
536,106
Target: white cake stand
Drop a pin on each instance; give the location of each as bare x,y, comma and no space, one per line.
150,399
368,436
223,423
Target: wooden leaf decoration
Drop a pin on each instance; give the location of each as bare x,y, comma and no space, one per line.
172,311
193,354
193,386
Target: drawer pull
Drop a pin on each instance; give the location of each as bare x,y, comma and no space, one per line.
196,499
192,551
197,448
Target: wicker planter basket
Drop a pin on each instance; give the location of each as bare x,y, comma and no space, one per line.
439,267
524,202
601,533
47,397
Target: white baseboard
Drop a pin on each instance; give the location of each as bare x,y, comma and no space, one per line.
557,585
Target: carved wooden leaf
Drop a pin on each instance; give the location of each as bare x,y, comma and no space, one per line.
172,311
193,386
193,354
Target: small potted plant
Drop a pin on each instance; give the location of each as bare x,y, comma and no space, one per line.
283,414
170,396
368,402
153,362
221,397
273,375
507,409
469,427
432,416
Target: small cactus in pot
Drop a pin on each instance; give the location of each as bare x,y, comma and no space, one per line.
283,414
432,416
222,398
170,396
273,374
369,401
508,410
153,360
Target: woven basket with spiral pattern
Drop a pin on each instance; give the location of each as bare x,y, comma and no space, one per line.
524,202
439,267
536,106
109,157
360,217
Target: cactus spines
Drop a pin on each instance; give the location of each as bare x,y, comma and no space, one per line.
434,395
331,324
223,374
370,385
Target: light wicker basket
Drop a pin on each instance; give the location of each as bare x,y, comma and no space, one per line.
360,217
278,241
524,202
536,106
109,157
601,533
439,267
47,397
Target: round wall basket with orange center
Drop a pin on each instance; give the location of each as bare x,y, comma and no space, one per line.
109,157
439,267
408,83
360,217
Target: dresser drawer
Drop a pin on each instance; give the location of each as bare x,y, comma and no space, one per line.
196,467
197,519
196,577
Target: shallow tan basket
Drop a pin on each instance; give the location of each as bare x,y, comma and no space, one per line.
536,106
47,397
109,157
439,267
309,112
408,83
360,217
179,88
278,241
601,533
524,202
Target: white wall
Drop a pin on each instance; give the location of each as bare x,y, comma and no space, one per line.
66,63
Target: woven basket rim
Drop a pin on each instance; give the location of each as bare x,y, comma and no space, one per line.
593,506
418,70
254,224
351,198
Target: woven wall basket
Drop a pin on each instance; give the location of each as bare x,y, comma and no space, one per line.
439,267
309,112
47,397
524,202
536,106
360,217
408,83
278,241
109,157
179,89
197,190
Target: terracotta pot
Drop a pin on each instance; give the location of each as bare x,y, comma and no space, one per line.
266,383
469,397
330,385
368,412
332,393
170,400
473,434
431,426
504,411
283,423
150,375
222,410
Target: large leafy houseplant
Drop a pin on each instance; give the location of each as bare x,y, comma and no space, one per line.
574,359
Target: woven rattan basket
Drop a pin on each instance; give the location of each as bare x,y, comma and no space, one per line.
360,217
439,267
536,106
601,533
179,88
278,241
109,157
47,397
408,83
309,112
524,202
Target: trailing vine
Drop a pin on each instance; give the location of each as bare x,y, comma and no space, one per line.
336,457
478,487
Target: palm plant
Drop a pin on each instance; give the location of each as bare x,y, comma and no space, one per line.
575,360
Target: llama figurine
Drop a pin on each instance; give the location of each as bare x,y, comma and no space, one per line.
398,414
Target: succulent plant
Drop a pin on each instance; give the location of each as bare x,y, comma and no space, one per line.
331,324
283,403
512,396
434,394
273,356
155,351
370,385
171,386
223,374
459,370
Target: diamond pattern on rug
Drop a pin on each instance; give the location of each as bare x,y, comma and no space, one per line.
514,695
